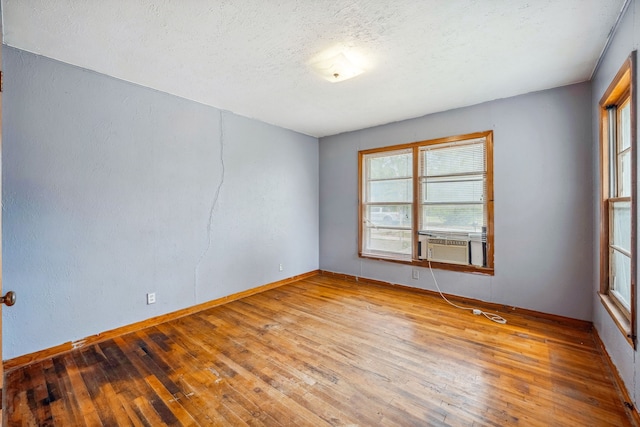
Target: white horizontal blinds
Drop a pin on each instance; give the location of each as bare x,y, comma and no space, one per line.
387,204
453,186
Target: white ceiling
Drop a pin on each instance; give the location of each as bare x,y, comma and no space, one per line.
252,57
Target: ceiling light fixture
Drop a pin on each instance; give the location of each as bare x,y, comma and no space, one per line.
336,67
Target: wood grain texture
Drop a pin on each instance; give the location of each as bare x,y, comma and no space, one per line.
326,351
500,308
617,379
26,359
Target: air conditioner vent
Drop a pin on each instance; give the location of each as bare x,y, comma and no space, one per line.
452,251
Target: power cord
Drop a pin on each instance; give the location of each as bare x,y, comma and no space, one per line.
491,316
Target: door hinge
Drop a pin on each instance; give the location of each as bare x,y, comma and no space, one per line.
1,81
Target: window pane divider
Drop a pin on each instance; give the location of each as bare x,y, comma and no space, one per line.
447,175
480,202
416,197
620,249
395,178
387,203
388,227
619,199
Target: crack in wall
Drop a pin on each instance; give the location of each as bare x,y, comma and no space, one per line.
214,203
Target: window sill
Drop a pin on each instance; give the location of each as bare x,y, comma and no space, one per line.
621,321
436,265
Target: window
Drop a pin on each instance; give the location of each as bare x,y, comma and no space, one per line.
388,204
425,191
453,187
618,206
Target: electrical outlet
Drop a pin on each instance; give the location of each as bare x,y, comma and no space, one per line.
280,268
415,274
151,298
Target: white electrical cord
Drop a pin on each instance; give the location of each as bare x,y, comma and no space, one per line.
491,316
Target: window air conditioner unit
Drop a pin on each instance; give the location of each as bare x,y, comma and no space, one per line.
452,251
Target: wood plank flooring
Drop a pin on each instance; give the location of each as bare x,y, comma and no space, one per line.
324,351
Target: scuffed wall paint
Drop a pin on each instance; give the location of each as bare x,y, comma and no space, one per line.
111,190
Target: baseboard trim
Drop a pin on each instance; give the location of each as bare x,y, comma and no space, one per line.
500,308
630,408
37,356
626,400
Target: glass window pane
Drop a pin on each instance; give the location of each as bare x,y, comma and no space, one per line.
453,189
396,190
390,166
625,128
385,240
621,224
624,179
387,199
463,218
451,160
394,215
620,280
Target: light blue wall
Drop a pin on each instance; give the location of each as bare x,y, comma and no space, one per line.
108,189
625,40
543,201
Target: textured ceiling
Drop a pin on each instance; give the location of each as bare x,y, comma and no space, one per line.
252,57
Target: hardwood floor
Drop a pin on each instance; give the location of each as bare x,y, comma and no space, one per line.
324,351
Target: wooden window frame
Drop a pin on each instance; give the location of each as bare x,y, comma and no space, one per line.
415,146
620,91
